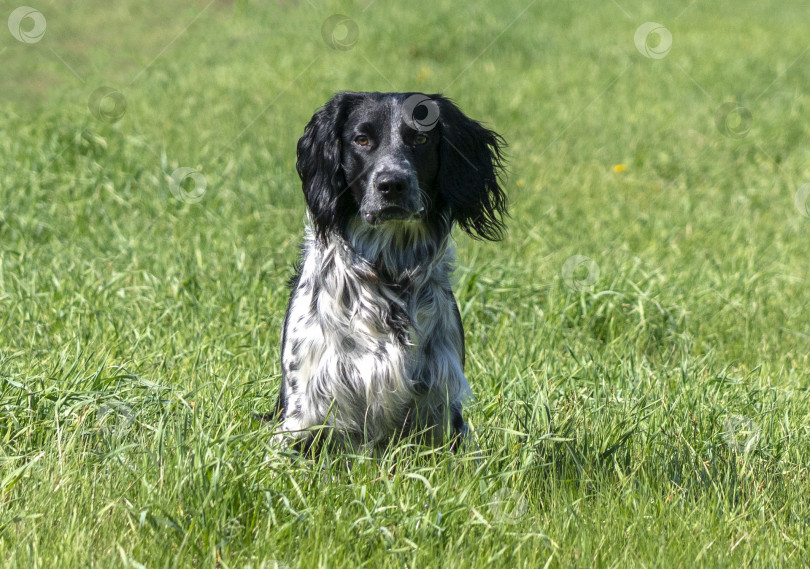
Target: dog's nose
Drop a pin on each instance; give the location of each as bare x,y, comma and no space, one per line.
392,185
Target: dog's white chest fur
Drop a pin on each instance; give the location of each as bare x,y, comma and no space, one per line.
371,357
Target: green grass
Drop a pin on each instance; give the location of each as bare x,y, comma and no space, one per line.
658,418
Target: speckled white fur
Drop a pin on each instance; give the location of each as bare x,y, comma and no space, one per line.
368,356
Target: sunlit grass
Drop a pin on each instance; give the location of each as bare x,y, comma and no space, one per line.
654,416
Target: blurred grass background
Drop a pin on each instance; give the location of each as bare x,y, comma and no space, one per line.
658,417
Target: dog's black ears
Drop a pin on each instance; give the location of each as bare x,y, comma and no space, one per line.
319,162
470,167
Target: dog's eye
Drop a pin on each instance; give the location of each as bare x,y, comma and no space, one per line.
361,140
420,139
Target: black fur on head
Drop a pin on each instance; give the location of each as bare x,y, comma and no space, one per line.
469,177
362,156
319,164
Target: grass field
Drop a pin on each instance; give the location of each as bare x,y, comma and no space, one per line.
638,345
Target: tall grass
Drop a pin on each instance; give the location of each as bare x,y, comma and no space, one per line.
655,415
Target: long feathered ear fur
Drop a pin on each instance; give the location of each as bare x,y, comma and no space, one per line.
319,165
471,163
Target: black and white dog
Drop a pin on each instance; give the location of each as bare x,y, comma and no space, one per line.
372,344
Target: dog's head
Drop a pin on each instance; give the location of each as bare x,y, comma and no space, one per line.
376,158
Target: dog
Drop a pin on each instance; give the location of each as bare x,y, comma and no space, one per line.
372,344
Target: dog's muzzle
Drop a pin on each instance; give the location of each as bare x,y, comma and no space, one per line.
395,197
